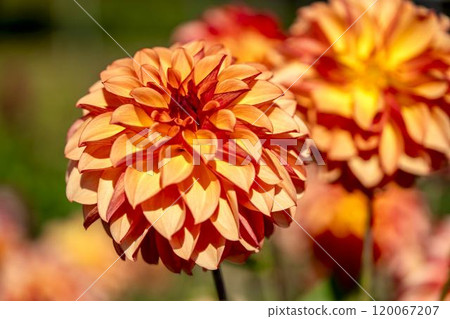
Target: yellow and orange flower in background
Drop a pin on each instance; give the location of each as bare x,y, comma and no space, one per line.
200,105
251,36
409,250
377,102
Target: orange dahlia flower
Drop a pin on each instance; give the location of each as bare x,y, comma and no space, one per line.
251,36
176,155
401,224
377,101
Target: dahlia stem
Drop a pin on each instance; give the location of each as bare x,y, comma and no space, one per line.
367,267
219,283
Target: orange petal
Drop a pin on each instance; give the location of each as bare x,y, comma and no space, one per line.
122,149
230,85
438,132
72,150
391,146
210,105
165,212
238,71
129,114
261,91
204,144
225,220
262,197
96,99
253,116
367,105
283,218
248,141
209,249
119,228
282,200
240,175
82,188
145,57
201,193
150,74
416,118
329,99
149,97
182,62
205,66
121,85
286,181
267,175
100,128
342,146
431,90
414,165
140,186
184,241
281,121
95,157
224,120
411,41
176,163
368,172
115,71
106,187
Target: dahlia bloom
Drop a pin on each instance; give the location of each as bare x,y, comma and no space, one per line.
425,279
377,102
251,36
175,154
401,225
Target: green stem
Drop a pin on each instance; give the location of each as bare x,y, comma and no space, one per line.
367,264
220,285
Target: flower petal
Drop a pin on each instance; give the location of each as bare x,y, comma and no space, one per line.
121,85
140,186
129,114
165,212
391,146
177,165
240,175
225,220
99,128
261,92
252,116
149,97
201,193
224,120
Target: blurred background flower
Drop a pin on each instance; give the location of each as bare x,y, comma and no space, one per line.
50,52
377,100
250,35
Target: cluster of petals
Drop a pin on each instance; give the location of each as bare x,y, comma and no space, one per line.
377,95
186,202
251,36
